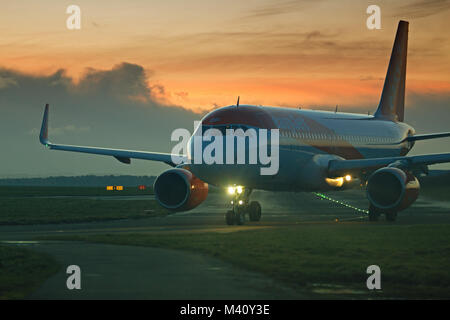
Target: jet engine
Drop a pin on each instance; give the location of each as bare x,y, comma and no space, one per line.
179,190
392,189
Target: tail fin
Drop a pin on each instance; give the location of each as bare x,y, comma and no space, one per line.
392,102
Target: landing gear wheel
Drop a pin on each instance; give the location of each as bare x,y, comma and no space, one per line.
391,216
254,211
374,214
229,217
239,218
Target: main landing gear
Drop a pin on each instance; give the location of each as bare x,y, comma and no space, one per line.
374,214
242,206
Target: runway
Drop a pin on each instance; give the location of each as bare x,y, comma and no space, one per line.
123,272
279,209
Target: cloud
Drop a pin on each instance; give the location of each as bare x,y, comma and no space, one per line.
417,9
6,82
61,130
279,8
423,8
100,109
122,81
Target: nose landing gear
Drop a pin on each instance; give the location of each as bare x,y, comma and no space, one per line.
242,206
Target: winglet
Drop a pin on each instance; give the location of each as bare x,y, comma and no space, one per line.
43,136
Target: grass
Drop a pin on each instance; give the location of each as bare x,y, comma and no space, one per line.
15,191
22,271
37,205
69,210
414,260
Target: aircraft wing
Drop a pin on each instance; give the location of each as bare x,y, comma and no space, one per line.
124,156
338,168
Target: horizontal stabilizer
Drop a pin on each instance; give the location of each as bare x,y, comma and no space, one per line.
427,136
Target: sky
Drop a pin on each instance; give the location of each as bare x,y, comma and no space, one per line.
137,69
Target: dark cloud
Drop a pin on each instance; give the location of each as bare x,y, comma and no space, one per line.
111,108
123,80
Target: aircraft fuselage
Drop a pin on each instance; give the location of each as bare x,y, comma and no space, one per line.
307,141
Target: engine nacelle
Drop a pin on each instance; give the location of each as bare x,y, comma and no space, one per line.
392,189
179,190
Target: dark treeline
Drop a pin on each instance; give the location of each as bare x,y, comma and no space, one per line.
438,177
81,181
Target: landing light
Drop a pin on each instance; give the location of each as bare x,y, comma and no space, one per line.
241,202
338,182
235,189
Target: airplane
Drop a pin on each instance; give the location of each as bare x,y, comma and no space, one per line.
318,151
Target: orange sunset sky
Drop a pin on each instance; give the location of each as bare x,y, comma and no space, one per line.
206,53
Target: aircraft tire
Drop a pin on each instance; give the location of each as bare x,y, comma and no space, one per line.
391,216
254,210
239,218
373,214
229,217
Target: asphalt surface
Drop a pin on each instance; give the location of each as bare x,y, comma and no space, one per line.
125,272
